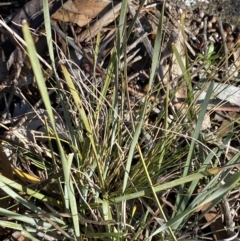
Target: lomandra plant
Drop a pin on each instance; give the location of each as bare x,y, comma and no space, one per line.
115,179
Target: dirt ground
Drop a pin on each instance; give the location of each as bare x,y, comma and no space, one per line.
228,10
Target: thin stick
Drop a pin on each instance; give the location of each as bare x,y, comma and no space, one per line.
220,26
205,37
16,36
145,40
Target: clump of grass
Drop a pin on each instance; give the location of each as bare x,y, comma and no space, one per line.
117,173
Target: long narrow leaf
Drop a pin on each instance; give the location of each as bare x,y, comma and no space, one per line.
219,193
182,202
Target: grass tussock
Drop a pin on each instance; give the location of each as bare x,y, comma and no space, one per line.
111,165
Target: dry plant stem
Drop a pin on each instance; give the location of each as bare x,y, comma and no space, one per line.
218,216
220,26
64,36
48,219
134,76
129,59
205,37
99,24
107,39
136,59
44,236
26,117
8,19
145,40
190,48
135,43
18,38
227,214
178,25
75,46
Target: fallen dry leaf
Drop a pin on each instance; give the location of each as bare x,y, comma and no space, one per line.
227,125
81,12
216,223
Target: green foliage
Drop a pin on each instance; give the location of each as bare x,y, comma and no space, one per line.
209,58
97,177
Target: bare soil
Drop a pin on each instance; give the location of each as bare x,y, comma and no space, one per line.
228,10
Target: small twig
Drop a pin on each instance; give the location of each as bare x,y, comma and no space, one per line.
227,214
134,44
129,58
178,25
44,236
75,46
98,25
145,40
26,117
220,26
190,48
18,38
64,36
205,37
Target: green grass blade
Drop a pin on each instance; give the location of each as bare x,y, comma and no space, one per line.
29,191
16,226
23,218
181,203
174,183
46,100
186,75
24,202
219,193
